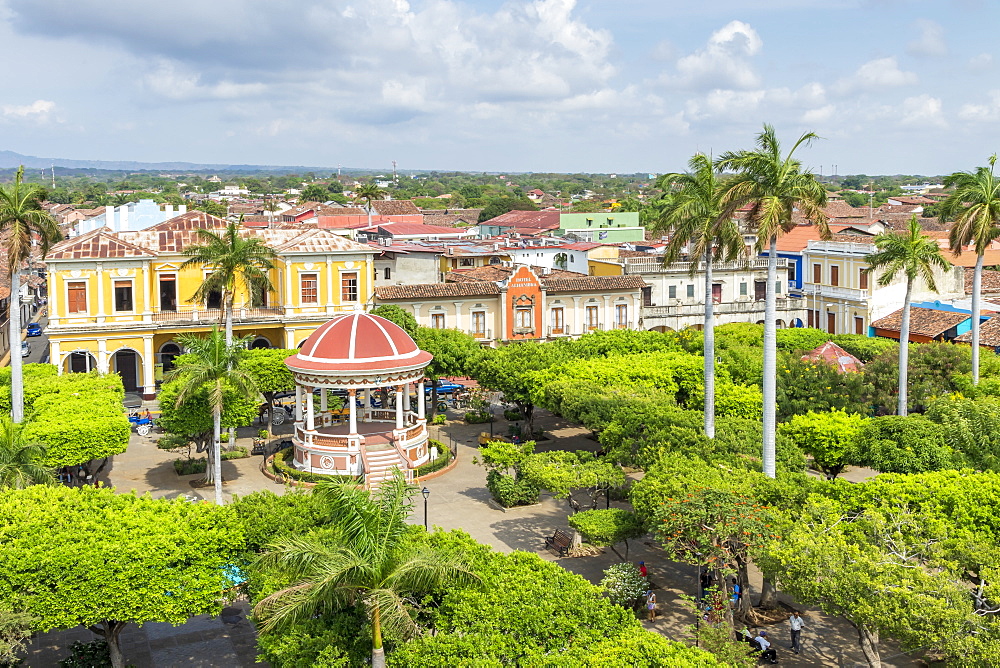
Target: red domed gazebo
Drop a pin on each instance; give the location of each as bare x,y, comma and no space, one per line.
347,354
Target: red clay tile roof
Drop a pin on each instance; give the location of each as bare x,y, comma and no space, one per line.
494,272
414,228
528,220
395,207
833,354
923,321
841,209
430,290
990,283
96,245
797,240
593,283
989,333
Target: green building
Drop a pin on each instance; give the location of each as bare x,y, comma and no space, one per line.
615,227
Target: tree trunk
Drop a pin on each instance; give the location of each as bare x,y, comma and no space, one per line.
227,315
869,646
977,278
16,364
529,422
269,413
770,361
217,454
743,579
904,351
110,631
709,349
378,653
768,596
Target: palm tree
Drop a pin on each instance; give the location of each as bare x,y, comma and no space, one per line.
370,564
694,218
773,187
915,256
235,261
213,365
21,219
21,461
974,205
368,192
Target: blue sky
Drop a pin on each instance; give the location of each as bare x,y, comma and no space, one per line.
893,86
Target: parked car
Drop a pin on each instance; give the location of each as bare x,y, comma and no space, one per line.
25,348
34,329
444,388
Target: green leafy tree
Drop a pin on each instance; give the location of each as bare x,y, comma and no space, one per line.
233,261
213,208
699,229
501,205
914,256
805,385
214,366
510,370
146,561
974,205
314,192
772,185
368,564
22,219
934,370
455,354
607,528
15,629
901,444
270,375
829,437
972,428
21,461
563,473
397,315
192,418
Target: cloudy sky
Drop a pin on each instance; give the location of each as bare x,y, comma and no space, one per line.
893,86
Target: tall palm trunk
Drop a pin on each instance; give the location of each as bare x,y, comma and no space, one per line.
770,360
378,653
904,350
216,454
977,277
709,349
16,366
227,313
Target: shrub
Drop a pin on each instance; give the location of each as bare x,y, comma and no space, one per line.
172,442
865,348
624,585
605,528
239,452
801,338
77,428
478,417
443,459
93,654
901,444
512,415
280,465
440,418
190,466
509,491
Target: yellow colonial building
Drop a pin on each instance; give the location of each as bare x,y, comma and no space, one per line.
118,300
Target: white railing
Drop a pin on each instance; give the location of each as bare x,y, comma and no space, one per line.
725,308
559,331
481,333
841,247
635,265
831,292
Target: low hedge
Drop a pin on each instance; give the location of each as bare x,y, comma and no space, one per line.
512,415
190,466
478,417
444,458
280,466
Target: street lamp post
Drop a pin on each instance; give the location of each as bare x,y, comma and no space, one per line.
426,493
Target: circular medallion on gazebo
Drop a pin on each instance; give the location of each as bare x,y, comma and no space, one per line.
367,360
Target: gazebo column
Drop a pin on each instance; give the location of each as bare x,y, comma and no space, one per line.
298,403
352,412
322,399
310,413
406,397
399,407
421,412
368,404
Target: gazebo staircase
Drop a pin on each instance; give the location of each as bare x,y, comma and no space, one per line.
380,460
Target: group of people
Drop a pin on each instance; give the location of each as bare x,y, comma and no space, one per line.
762,645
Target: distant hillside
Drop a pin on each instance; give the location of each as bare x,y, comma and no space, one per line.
10,159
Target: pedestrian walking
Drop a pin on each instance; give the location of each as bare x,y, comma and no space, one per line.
651,605
642,569
795,623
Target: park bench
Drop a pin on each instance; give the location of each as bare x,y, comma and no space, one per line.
560,541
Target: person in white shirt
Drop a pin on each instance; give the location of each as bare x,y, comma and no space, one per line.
795,623
767,654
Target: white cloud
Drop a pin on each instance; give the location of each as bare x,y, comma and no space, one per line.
875,75
988,112
169,81
724,61
981,63
922,111
930,41
38,110
819,115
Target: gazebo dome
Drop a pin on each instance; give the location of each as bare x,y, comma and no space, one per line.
358,343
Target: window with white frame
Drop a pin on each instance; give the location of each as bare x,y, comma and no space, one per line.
437,320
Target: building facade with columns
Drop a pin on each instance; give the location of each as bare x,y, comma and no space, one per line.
521,303
118,300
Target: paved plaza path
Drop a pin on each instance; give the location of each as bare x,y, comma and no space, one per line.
458,500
